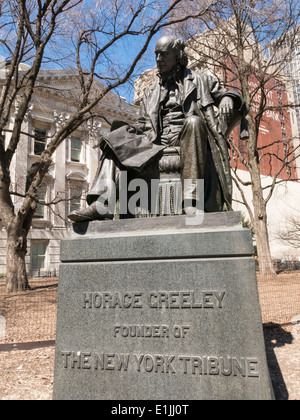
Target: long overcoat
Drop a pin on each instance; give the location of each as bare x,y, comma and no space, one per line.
135,149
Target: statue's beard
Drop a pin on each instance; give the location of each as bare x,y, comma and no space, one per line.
173,75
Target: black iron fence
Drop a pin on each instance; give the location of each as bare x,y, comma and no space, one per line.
30,315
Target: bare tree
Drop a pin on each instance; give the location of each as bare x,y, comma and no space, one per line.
290,233
85,36
239,43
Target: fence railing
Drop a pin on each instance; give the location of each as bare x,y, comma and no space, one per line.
31,316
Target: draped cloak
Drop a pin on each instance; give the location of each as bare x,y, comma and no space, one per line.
135,149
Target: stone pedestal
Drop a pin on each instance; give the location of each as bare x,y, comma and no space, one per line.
160,309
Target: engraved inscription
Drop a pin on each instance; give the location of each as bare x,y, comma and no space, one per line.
155,331
88,360
247,367
155,363
184,299
110,300
227,366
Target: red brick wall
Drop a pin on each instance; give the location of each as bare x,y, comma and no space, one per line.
275,134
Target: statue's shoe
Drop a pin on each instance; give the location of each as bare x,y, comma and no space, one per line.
88,215
192,211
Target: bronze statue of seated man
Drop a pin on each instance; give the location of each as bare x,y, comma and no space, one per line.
177,111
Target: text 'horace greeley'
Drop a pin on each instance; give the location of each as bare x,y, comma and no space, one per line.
183,299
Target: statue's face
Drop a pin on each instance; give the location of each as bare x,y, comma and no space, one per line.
166,58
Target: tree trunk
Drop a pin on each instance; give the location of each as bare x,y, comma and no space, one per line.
262,241
260,210
16,275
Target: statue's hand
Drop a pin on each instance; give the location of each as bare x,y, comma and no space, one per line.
225,113
225,108
135,128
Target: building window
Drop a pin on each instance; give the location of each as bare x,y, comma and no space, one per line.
75,149
41,198
38,255
75,197
75,204
40,141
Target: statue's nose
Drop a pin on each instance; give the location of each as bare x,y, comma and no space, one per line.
158,57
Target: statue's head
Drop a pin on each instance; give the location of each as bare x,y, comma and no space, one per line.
169,51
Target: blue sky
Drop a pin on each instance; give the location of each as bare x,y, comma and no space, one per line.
60,52
126,56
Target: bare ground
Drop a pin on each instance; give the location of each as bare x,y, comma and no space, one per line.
28,374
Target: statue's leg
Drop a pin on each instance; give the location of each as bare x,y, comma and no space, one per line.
105,180
193,151
197,163
213,196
